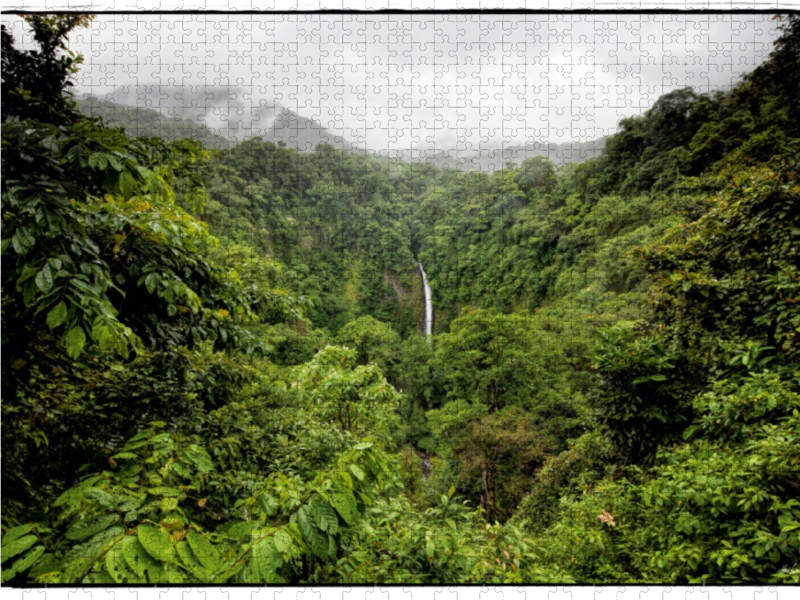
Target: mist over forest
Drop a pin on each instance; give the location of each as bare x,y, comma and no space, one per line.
281,125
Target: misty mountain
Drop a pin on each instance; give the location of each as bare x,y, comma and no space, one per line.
148,122
216,116
219,117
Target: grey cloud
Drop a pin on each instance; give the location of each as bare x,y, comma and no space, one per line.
397,82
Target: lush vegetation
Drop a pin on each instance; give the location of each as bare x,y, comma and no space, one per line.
213,367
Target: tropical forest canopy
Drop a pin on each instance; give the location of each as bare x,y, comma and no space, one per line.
214,367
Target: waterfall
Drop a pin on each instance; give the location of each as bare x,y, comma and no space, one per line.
428,303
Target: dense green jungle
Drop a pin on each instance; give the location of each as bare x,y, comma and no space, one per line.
215,367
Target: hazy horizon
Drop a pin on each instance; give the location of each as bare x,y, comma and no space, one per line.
394,82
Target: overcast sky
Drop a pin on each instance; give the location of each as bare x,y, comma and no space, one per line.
399,81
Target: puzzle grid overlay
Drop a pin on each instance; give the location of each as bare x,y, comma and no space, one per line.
491,120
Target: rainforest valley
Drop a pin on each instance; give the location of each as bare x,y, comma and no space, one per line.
215,367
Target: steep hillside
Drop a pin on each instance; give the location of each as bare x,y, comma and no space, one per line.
490,158
147,122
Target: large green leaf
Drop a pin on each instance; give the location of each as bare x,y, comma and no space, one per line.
140,561
44,279
268,503
16,532
204,550
98,160
316,540
77,155
57,315
17,546
266,561
190,561
157,541
103,541
87,528
174,574
229,571
242,529
127,184
150,282
283,541
345,505
104,499
47,564
23,564
73,497
22,240
357,471
117,566
76,570
200,458
325,517
114,162
102,334
75,341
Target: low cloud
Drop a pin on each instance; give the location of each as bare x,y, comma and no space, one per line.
426,82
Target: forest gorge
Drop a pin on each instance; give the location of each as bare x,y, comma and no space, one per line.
215,367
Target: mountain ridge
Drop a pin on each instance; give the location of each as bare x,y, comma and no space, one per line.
173,114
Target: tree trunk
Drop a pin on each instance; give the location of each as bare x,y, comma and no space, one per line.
487,498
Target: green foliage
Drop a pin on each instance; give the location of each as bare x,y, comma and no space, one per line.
735,266
98,258
721,508
337,220
715,361
84,245
421,386
374,341
138,522
643,394
65,416
611,396
446,543
537,176
34,80
297,345
413,474
502,416
353,398
569,474
488,360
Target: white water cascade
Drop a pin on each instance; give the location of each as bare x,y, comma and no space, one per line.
428,304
